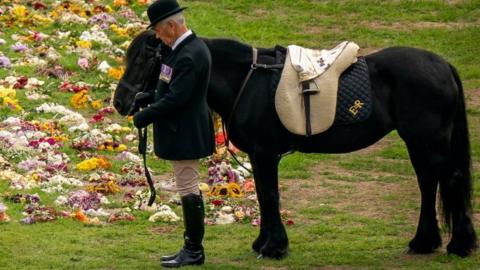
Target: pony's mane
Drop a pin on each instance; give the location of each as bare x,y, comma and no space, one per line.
138,44
229,49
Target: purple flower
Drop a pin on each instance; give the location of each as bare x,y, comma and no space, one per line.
19,47
104,19
28,220
84,200
5,62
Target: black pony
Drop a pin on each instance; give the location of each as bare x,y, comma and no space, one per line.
414,91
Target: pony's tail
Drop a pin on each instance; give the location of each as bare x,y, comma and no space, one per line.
456,192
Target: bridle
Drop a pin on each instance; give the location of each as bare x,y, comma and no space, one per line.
142,132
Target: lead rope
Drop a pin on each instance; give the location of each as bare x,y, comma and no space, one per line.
142,148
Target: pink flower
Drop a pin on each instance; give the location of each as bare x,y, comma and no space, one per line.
83,63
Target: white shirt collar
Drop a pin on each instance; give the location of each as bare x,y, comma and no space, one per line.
181,38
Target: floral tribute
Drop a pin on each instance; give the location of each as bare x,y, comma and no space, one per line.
60,138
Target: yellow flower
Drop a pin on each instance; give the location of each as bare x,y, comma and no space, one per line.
122,147
239,214
19,11
234,190
108,9
125,130
7,92
93,163
96,104
12,104
80,99
203,187
61,138
116,73
87,165
123,32
84,44
42,20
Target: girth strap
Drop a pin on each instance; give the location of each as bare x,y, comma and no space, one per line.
226,127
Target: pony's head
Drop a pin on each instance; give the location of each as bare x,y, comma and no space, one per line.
142,69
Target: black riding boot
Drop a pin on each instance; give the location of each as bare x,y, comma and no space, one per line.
192,251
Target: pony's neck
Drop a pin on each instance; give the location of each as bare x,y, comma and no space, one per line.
231,61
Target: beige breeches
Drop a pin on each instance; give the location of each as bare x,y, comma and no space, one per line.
187,176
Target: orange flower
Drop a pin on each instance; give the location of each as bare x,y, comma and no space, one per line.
143,2
249,186
80,216
118,3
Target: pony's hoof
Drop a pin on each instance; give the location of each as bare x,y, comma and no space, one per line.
424,246
258,244
461,249
273,252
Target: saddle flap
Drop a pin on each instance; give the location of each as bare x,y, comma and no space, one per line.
321,70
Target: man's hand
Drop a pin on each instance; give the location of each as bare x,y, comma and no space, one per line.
142,99
140,119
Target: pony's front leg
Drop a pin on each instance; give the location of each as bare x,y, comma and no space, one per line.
272,241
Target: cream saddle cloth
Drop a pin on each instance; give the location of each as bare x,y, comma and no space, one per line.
321,70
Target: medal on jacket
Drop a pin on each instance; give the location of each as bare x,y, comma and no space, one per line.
166,73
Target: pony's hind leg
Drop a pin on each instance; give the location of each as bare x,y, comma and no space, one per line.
431,162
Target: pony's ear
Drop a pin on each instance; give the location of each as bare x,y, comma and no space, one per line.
152,40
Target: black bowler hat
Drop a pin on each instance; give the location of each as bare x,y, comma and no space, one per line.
162,9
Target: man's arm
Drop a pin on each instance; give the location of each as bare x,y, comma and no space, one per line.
180,89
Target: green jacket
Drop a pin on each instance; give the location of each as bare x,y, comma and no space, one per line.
182,126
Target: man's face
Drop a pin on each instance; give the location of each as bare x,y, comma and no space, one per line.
165,31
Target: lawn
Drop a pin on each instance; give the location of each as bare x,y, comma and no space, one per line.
351,211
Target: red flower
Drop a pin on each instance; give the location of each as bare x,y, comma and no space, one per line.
97,118
217,202
290,222
21,83
39,5
34,144
219,138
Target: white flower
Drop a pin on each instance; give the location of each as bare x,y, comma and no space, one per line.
130,137
104,200
12,121
224,219
81,127
97,213
61,34
227,209
68,17
104,66
61,200
165,214
3,208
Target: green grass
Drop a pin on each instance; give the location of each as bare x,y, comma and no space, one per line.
351,211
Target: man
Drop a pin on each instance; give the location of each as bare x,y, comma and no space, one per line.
183,130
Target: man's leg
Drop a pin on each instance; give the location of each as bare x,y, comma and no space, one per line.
187,179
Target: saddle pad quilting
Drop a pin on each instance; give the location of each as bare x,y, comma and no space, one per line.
354,102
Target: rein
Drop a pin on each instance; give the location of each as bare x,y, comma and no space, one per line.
142,132
226,126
